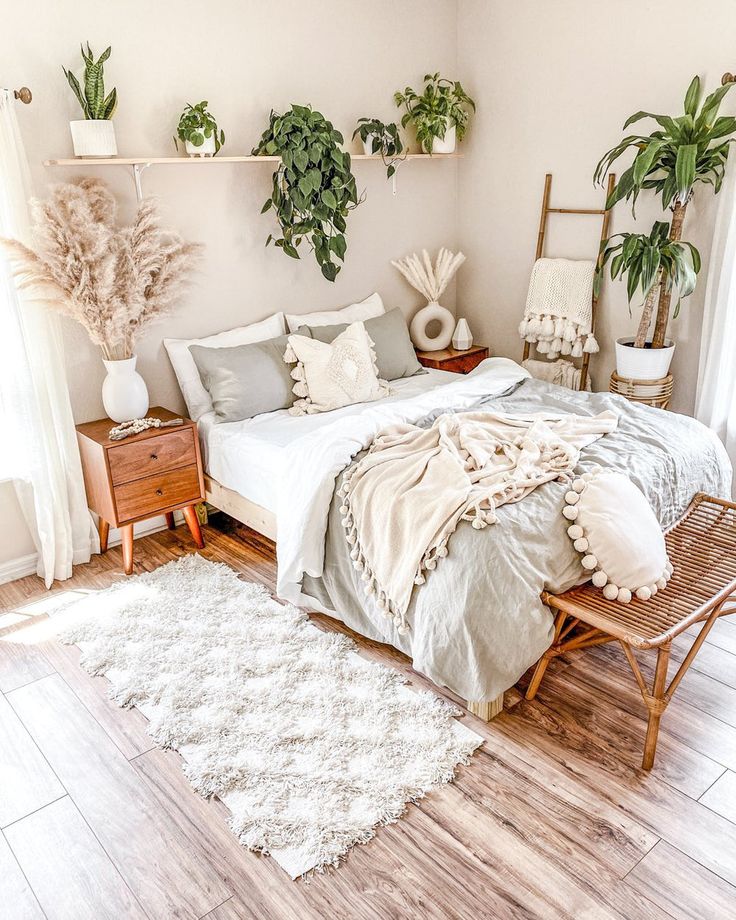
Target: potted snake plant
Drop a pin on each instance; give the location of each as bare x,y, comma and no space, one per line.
93,135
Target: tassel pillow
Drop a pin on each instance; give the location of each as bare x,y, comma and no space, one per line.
331,375
617,535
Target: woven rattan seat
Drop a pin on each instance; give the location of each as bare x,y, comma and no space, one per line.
702,549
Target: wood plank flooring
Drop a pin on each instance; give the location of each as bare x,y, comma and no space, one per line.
552,818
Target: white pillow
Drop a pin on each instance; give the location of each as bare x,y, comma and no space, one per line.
195,396
332,375
366,309
614,529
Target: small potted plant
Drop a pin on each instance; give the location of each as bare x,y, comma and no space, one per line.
440,115
93,135
382,140
198,129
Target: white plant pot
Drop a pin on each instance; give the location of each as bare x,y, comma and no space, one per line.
207,148
93,137
462,338
642,363
368,146
418,327
445,144
124,392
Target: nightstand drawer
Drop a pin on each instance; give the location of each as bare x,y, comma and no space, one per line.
153,494
164,452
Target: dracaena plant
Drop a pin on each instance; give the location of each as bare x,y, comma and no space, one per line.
95,104
441,104
197,123
683,151
384,140
649,263
313,189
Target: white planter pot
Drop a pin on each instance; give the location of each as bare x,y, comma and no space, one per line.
207,148
445,144
124,393
368,146
93,137
462,338
642,363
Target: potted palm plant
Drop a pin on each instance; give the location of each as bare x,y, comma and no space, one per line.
683,151
93,135
440,114
198,130
382,140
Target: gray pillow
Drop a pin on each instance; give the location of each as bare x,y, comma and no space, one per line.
395,355
246,380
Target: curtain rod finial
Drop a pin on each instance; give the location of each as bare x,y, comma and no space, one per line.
24,94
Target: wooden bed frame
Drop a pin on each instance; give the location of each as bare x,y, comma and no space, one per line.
264,521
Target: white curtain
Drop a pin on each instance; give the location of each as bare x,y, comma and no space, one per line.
715,403
39,446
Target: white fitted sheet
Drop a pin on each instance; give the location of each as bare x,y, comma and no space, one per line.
248,456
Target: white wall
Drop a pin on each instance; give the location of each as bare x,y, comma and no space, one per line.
555,83
244,57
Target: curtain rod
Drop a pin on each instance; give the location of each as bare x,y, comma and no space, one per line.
24,94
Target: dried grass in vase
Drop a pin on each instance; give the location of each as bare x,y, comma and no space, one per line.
112,280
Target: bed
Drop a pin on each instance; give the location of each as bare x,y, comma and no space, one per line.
478,623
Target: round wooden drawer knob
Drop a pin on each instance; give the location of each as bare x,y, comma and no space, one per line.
159,492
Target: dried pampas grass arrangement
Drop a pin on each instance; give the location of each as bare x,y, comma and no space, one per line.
112,280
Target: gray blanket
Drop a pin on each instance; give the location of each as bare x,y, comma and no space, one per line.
478,622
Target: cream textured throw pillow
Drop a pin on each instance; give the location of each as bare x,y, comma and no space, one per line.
332,375
614,529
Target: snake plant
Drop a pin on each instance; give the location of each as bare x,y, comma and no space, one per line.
95,104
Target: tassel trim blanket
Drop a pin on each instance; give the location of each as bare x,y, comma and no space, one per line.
403,501
559,308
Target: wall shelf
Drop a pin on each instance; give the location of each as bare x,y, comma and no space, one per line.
138,164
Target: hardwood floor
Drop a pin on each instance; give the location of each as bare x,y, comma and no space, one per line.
552,818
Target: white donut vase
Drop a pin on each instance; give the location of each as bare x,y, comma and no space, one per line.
422,319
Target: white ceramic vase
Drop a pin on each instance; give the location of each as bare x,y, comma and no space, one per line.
418,327
368,146
93,137
445,144
462,338
124,392
643,363
206,148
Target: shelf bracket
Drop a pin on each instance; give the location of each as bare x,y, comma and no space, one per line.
137,172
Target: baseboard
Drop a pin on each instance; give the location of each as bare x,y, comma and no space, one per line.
14,569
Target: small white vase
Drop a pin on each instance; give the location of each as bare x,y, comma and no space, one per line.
643,363
422,319
124,392
368,147
206,148
93,137
462,338
445,144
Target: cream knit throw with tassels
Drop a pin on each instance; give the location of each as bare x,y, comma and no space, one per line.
405,498
559,308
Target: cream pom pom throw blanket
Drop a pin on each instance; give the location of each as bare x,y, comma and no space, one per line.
405,498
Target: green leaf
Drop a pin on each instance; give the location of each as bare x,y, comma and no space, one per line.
692,97
330,270
329,199
685,170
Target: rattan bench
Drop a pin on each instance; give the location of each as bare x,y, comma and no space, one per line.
702,549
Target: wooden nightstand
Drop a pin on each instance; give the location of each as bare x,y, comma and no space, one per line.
450,359
156,472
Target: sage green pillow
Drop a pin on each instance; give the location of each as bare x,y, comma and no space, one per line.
395,355
246,380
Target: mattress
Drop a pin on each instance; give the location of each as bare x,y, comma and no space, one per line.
248,456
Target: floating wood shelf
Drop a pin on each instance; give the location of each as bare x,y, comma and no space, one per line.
170,161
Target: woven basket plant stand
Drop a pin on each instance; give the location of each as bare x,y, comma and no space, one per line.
702,549
651,392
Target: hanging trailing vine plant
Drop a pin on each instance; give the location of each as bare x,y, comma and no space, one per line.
313,189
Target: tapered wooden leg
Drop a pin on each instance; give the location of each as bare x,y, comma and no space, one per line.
656,704
486,709
539,671
126,534
170,522
104,530
190,515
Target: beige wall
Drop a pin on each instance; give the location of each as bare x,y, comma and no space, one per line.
555,82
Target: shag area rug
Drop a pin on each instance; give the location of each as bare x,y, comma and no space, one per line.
309,745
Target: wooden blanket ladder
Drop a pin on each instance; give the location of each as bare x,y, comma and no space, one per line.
546,211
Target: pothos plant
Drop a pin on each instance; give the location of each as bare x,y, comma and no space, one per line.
313,189
384,140
95,104
685,150
197,123
441,104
